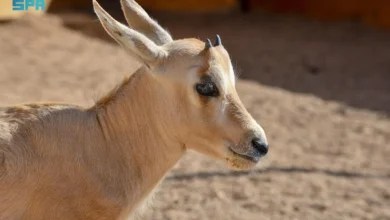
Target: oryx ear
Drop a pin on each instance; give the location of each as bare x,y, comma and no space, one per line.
139,20
143,49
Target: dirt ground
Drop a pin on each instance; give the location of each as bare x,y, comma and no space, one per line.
320,90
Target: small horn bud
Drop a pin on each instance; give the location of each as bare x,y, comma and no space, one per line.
218,41
208,44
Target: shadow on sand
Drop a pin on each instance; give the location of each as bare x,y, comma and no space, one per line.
332,173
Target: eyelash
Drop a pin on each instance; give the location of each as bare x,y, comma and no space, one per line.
208,89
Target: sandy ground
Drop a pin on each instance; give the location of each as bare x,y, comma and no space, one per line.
321,91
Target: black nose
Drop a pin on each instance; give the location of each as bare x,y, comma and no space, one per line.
261,146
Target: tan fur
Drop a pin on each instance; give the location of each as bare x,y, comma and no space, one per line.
59,161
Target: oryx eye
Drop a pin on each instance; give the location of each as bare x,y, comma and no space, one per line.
207,89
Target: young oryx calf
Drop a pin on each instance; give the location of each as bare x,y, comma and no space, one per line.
65,162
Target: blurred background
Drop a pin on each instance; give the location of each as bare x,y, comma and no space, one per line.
315,74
